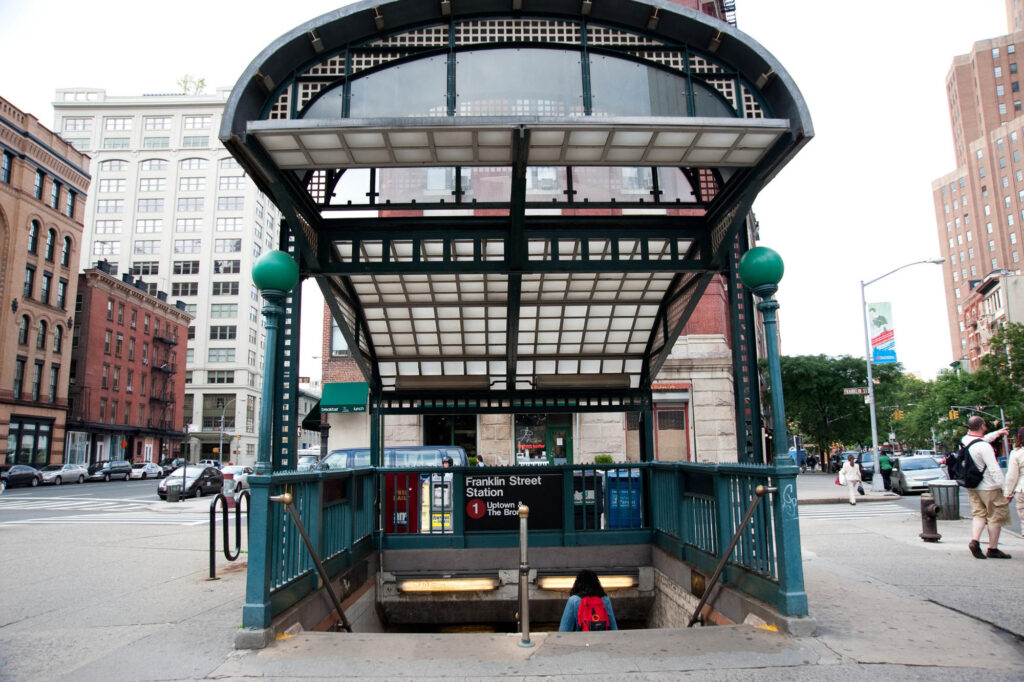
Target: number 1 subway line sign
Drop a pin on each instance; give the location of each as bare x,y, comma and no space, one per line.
492,501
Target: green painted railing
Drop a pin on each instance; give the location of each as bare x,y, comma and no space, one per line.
689,510
337,510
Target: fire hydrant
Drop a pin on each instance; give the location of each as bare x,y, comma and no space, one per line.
929,517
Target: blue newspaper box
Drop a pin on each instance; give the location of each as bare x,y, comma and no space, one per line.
623,499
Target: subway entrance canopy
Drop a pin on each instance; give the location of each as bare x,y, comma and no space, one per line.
507,201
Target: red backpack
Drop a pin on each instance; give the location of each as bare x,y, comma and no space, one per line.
592,616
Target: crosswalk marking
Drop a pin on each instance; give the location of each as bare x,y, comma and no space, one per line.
846,511
57,504
150,518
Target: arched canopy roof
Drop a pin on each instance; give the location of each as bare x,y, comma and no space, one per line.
509,195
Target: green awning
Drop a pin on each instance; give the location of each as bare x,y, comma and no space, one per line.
345,397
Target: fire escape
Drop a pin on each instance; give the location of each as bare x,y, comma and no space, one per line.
161,398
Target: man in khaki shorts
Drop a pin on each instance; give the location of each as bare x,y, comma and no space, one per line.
988,504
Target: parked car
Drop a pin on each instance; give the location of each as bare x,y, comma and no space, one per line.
104,471
913,473
842,458
199,480
147,470
307,460
21,474
866,461
169,465
239,480
58,474
215,463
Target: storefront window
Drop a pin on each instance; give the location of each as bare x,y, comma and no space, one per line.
451,430
28,441
531,436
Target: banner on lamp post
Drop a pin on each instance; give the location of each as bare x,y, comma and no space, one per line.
883,340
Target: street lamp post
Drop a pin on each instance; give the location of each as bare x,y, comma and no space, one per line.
761,268
876,481
220,448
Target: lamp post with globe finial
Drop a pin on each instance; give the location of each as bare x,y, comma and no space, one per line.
761,268
274,274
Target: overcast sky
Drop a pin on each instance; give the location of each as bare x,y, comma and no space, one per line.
853,205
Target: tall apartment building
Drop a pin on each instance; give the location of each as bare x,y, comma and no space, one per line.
979,206
172,208
43,185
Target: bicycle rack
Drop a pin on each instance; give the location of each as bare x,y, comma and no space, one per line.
228,553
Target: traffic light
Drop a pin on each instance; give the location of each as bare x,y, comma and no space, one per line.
898,414
954,414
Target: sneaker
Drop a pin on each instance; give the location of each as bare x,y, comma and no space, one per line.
996,553
976,549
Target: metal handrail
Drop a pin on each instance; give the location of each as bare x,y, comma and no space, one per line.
759,492
228,554
287,500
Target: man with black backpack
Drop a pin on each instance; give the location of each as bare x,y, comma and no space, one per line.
976,469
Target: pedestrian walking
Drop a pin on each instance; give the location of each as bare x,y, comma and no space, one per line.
851,474
885,466
1014,484
989,507
589,607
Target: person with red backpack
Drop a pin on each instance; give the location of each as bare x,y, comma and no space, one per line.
589,609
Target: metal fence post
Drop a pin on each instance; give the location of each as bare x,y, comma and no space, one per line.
524,578
256,613
792,599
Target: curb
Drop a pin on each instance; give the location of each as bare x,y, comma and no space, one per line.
844,500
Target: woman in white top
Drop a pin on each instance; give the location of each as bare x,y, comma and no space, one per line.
851,472
1014,483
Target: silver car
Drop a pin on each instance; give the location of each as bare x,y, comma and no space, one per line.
913,473
238,480
58,474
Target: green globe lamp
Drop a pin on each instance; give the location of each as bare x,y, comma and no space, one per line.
760,269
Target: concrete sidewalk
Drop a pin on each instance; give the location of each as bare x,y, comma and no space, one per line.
887,606
816,487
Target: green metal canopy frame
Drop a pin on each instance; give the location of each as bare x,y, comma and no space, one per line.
530,281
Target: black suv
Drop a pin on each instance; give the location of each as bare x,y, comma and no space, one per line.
104,471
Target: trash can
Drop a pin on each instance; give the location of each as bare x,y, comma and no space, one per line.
623,503
587,499
947,496
173,493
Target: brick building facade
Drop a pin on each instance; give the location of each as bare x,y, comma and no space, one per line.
43,185
127,372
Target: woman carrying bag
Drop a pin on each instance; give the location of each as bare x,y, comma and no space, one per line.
850,474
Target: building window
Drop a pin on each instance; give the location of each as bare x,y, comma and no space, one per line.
19,376
229,224
230,203
188,225
5,167
149,225
23,330
106,248
222,310
221,355
131,346
103,410
54,194
146,246
58,338
110,206
37,191
117,123
225,288
51,244
195,141
107,227
185,289
187,245
112,185
41,335
151,205
231,182
37,379
154,165
152,184
190,203
146,267
197,122
116,381
193,164
229,162
30,279
157,123
223,332
192,184
107,338
220,376
116,143
186,267
227,245
227,267
69,207
44,289
998,72
156,142
1013,67
252,358
33,236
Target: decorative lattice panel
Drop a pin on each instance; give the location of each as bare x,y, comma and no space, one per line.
333,66
600,35
280,108
517,30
